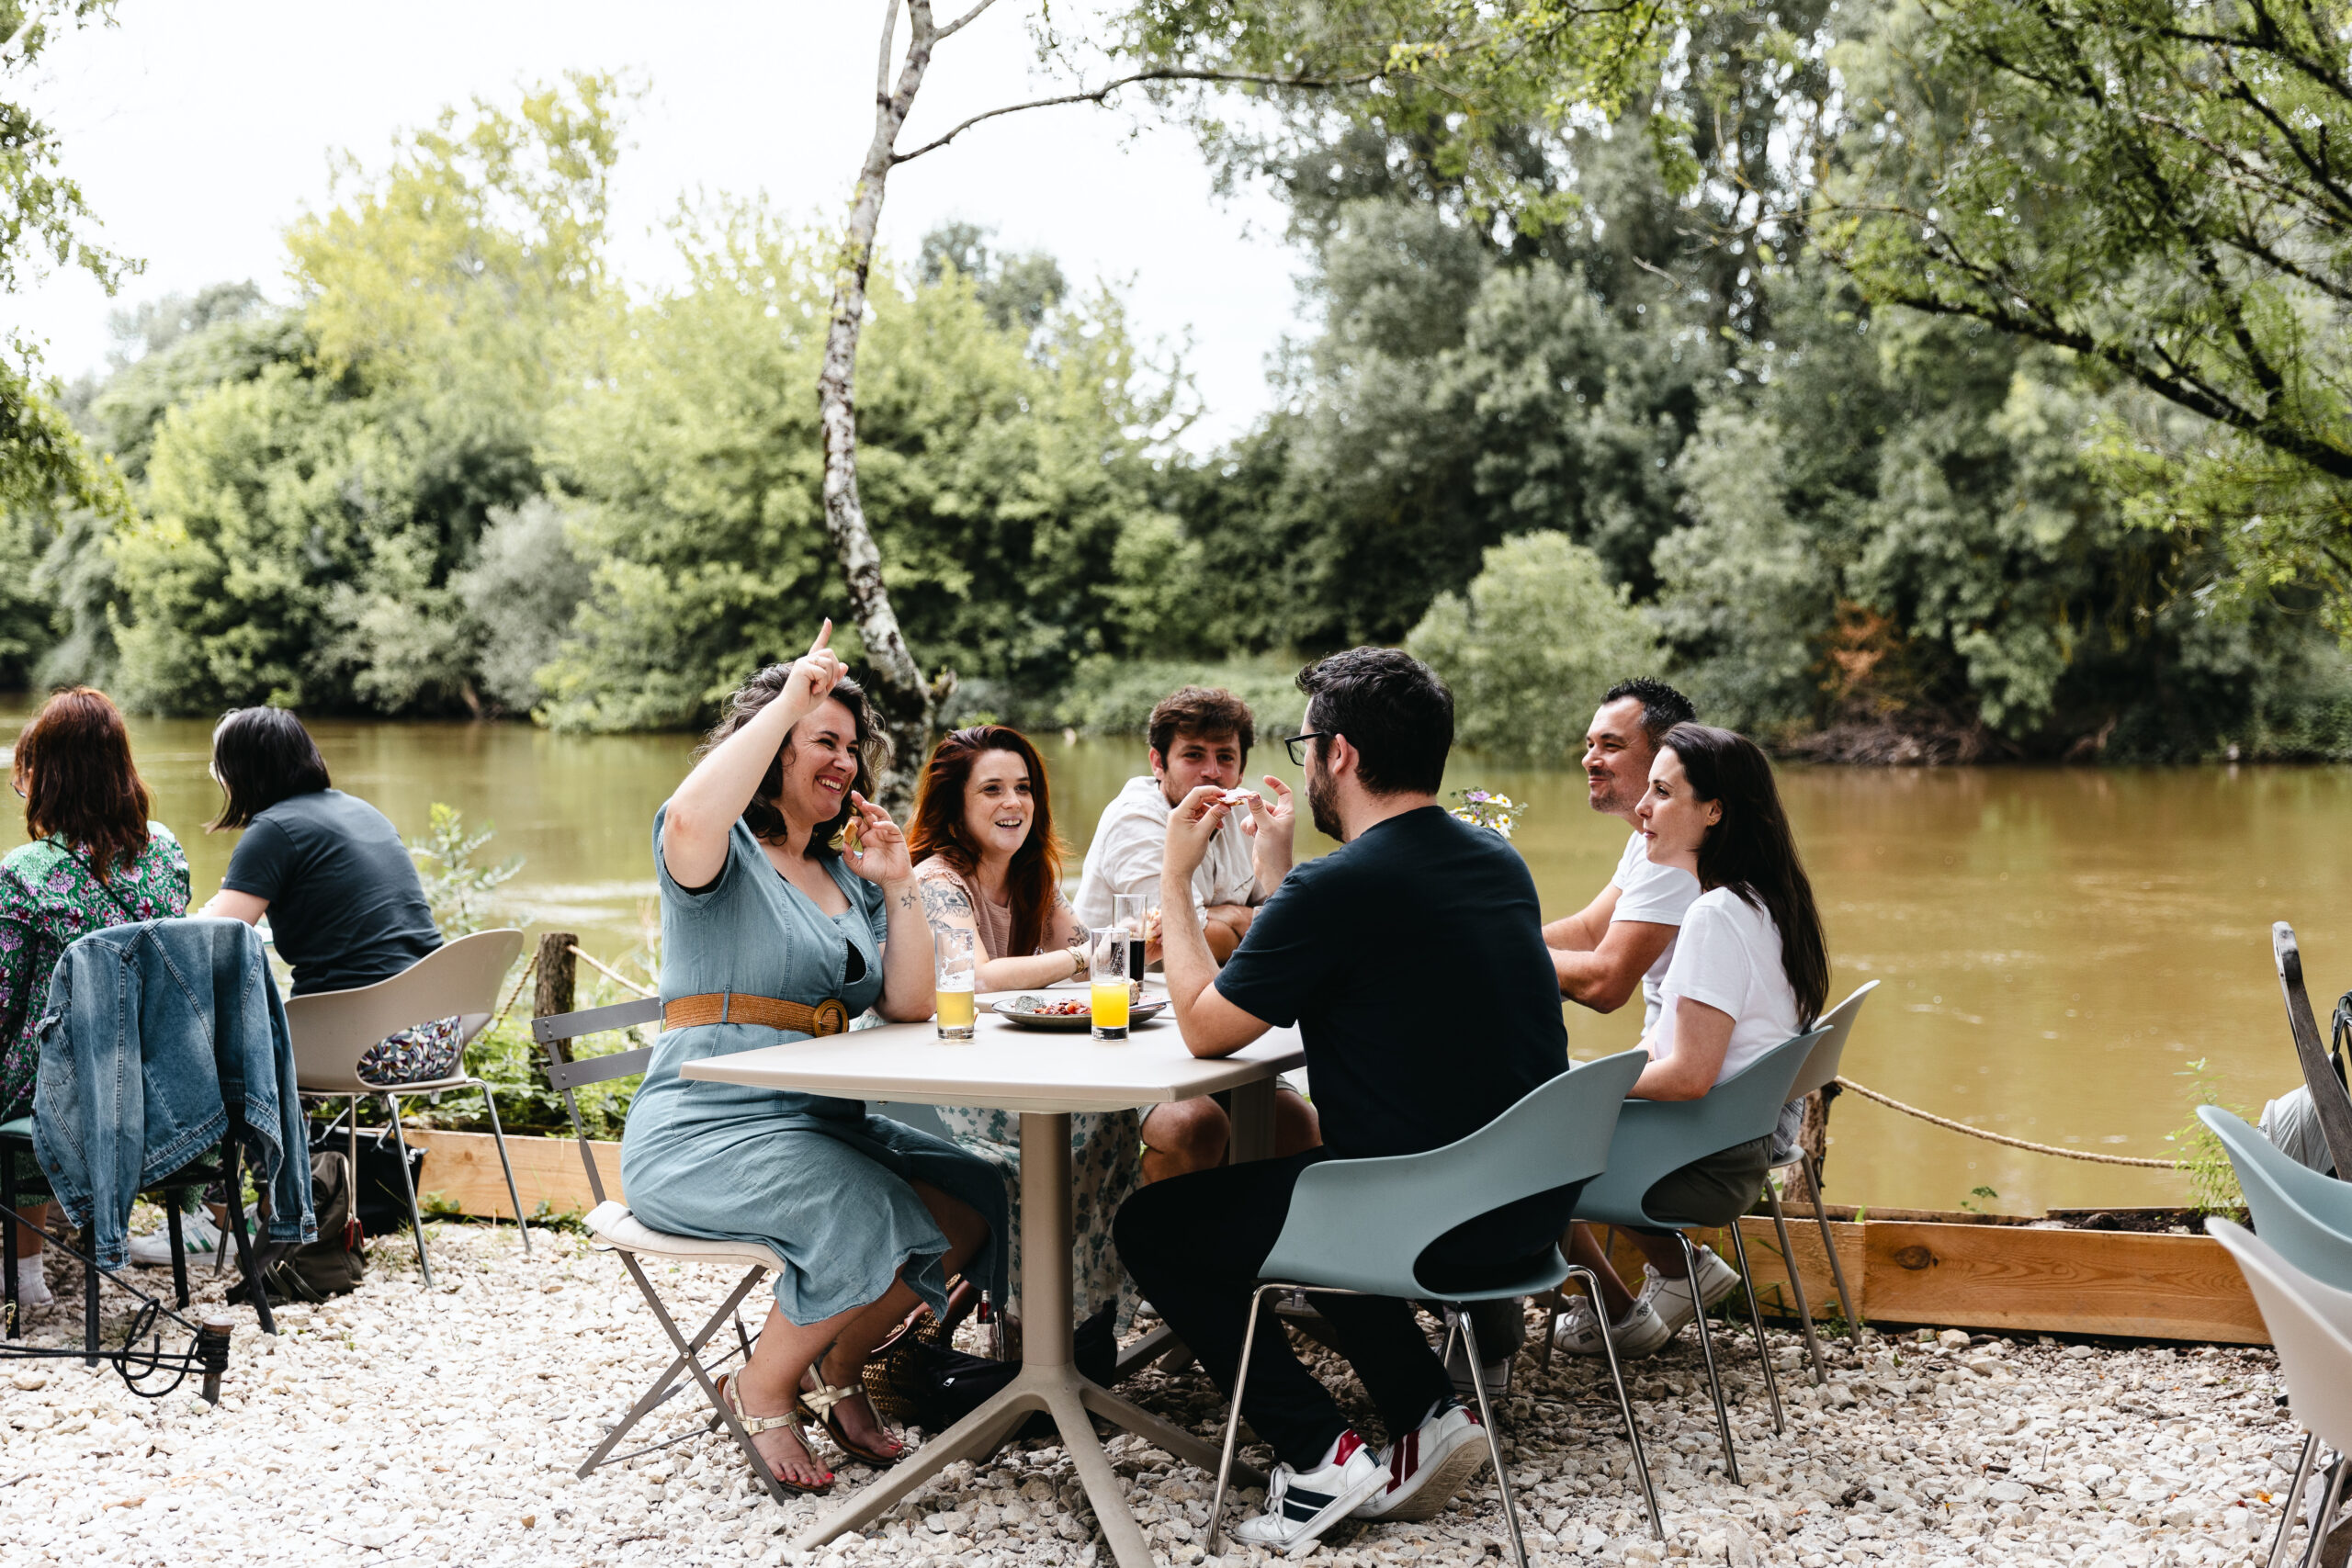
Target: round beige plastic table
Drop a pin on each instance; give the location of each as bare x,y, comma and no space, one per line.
1045,1077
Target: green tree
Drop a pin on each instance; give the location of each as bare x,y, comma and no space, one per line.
1540,634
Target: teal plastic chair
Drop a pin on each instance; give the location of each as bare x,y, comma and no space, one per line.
1358,1227
2309,1322
1820,1070
2306,1219
1657,1137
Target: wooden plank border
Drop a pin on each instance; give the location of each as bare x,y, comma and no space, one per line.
462,1169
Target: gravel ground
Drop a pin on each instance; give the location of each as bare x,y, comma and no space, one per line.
399,1425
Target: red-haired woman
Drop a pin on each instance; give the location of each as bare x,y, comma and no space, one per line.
95,861
987,861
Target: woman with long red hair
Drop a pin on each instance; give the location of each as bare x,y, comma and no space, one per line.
988,861
95,860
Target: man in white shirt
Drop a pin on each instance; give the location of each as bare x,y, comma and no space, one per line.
1625,938
1197,736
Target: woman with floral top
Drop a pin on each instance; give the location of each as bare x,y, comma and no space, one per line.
95,860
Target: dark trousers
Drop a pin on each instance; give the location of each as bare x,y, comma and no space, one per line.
1195,1244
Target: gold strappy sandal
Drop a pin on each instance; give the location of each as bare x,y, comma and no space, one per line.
818,1404
755,1425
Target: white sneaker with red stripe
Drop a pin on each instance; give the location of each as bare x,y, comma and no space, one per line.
1300,1506
1428,1464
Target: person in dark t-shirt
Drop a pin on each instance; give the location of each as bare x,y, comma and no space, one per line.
346,907
1412,961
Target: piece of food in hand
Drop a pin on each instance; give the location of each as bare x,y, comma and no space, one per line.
1236,796
854,835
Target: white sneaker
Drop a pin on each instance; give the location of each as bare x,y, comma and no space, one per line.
1428,1464
1495,1374
199,1237
1300,1507
1671,1298
1641,1332
32,1285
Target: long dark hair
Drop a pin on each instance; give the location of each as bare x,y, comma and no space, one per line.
261,756
80,784
762,815
1752,852
1036,874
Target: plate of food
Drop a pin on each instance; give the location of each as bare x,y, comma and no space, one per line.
1066,1011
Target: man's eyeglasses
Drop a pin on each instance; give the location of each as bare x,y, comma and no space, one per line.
1296,744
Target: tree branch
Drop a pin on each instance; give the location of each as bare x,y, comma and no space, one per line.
1166,75
963,21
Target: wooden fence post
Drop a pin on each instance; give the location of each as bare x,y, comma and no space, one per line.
1814,1141
557,973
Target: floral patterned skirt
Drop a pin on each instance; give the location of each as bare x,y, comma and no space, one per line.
1106,1166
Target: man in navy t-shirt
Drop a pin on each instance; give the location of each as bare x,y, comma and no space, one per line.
1412,961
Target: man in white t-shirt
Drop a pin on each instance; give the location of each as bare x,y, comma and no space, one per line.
1196,736
1625,938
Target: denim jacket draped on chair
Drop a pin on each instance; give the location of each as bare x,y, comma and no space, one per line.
151,1031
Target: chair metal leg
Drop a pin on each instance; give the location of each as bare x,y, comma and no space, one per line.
171,1202
408,1185
1456,1316
1796,1286
498,1136
9,1256
1233,1420
90,1307
1625,1405
2329,1503
670,1381
2292,1496
232,1186
709,1389
1829,1244
1756,1319
1707,1352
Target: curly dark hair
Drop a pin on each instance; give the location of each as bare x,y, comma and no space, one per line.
762,815
1208,712
1393,709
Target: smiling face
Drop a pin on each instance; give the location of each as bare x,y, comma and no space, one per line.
1617,757
820,766
1674,820
1000,805
1193,761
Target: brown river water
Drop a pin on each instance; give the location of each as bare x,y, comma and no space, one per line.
2055,945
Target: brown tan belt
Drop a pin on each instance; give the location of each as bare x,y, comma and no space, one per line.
828,1017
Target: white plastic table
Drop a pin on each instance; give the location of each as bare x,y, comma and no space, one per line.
1045,1077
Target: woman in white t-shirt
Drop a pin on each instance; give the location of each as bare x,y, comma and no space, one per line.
1750,970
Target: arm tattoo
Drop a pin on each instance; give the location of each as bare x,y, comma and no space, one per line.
906,900
943,903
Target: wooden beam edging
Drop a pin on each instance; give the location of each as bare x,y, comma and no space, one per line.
2004,1279
462,1169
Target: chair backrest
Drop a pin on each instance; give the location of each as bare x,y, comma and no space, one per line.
2311,1325
1361,1223
2306,1217
564,1074
333,1030
2329,1101
1656,1137
1821,1067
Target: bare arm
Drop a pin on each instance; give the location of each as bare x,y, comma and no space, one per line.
1702,1036
1609,976
1272,826
908,993
227,906
1211,1025
1582,931
947,907
704,809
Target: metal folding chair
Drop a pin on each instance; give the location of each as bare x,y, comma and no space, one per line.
1820,1070
615,1228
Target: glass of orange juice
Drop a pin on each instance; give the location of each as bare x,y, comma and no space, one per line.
1108,962
958,975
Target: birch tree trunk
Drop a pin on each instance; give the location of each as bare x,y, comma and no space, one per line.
910,704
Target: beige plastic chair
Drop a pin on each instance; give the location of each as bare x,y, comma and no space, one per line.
333,1030
1820,1070
2310,1327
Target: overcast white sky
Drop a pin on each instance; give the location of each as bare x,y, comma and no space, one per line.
199,132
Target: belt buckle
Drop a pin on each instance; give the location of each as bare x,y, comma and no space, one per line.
830,1017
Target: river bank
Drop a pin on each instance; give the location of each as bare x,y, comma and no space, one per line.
399,1425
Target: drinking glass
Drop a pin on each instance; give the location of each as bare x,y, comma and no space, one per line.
957,970
1108,960
1130,913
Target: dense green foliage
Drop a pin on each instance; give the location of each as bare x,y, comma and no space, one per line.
1636,346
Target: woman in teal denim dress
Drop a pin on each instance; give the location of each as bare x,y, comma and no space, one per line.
866,1217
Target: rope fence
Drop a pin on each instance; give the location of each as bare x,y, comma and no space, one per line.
1893,1104
607,971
